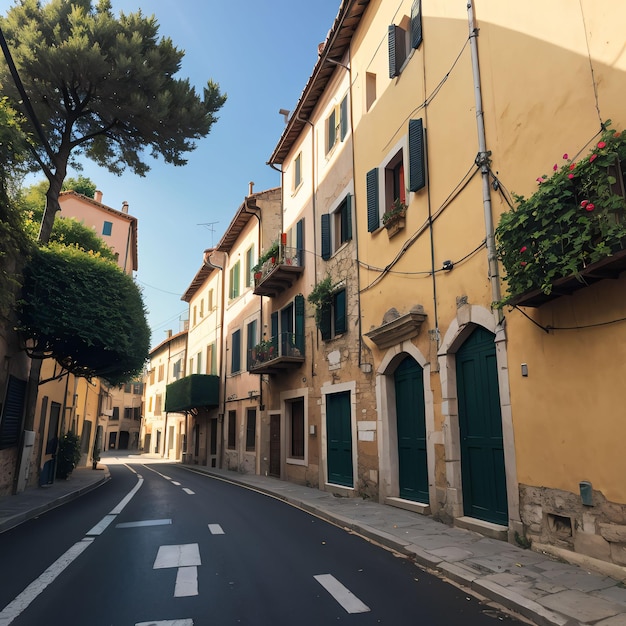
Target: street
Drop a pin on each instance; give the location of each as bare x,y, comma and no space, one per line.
161,544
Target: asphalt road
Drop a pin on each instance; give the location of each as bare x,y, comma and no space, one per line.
162,545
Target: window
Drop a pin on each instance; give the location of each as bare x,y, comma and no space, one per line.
116,412
157,405
150,404
232,429
297,171
161,372
336,228
202,308
152,376
334,320
394,181
249,279
287,326
337,125
191,365
138,389
107,228
211,359
250,429
235,349
251,341
370,90
234,281
128,413
177,369
403,38
294,245
199,363
296,428
210,300
195,316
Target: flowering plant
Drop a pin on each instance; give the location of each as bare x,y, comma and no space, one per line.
576,217
398,209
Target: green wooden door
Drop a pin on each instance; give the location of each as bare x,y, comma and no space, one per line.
339,439
411,421
480,425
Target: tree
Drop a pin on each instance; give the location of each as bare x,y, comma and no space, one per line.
101,87
84,312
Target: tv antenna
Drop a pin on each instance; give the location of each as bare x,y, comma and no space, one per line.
210,227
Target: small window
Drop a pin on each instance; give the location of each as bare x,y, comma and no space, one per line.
161,371
394,181
297,171
176,371
336,228
403,38
235,357
210,300
199,363
232,429
234,285
334,319
296,427
107,228
250,430
337,125
251,340
157,405
370,90
202,308
211,359
116,410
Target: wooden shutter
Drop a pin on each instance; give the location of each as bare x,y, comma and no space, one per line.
235,362
332,130
300,241
299,325
12,412
343,112
325,236
373,215
396,49
339,312
348,231
417,166
416,24
325,323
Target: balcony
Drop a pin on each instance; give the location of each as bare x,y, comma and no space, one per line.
278,273
283,352
191,392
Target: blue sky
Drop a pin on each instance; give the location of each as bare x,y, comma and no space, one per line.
261,52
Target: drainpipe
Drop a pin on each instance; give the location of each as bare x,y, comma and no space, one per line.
482,160
209,263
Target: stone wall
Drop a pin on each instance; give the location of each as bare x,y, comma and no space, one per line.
559,518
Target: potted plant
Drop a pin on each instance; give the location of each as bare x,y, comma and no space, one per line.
321,297
393,219
271,254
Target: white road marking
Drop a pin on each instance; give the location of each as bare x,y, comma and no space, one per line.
166,477
120,507
101,526
186,490
186,582
216,529
175,483
147,522
168,622
21,602
343,595
183,555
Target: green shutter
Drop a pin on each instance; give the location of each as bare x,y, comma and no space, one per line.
348,231
395,41
325,323
299,326
373,215
300,241
332,131
274,327
339,312
235,362
344,118
416,24
325,229
417,166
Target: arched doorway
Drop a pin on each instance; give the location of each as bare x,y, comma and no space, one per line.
411,431
480,429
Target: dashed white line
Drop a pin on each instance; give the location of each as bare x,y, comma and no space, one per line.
342,594
216,529
168,622
175,483
186,490
186,582
147,522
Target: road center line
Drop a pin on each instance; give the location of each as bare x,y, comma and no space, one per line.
120,507
168,622
342,594
175,483
21,602
216,529
147,522
101,526
191,493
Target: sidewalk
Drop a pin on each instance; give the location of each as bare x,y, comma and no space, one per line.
546,591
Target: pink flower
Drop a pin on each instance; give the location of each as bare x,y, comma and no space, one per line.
523,263
570,176
572,166
590,207
601,145
566,156
556,167
592,158
540,180
584,203
523,249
